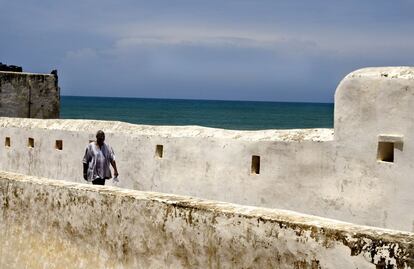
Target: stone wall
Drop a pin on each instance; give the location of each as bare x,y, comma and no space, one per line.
201,162
57,224
374,134
27,95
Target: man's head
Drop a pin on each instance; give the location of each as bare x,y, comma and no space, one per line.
100,137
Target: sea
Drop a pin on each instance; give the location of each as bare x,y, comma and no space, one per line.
234,115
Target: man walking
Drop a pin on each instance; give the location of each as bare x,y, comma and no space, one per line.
98,156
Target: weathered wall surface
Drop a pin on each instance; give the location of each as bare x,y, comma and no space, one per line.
29,95
375,105
201,162
56,224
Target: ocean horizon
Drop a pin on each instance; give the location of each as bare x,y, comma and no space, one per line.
235,115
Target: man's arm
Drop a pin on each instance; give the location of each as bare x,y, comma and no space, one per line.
85,171
113,163
85,162
112,160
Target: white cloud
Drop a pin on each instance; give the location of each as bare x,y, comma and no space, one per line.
143,34
344,41
81,54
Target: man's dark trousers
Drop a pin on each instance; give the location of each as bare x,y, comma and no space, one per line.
98,181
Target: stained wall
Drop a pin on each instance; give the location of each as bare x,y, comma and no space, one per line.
28,95
48,223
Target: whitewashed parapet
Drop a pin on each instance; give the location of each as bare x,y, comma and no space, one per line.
374,134
55,224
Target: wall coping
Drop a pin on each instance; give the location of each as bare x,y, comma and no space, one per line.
391,72
25,73
112,127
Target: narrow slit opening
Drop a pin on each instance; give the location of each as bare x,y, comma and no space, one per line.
30,142
7,142
255,169
159,151
59,145
385,152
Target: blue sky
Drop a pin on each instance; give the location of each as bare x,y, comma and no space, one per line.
215,49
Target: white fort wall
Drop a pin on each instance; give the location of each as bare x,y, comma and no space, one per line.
201,162
57,224
310,171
